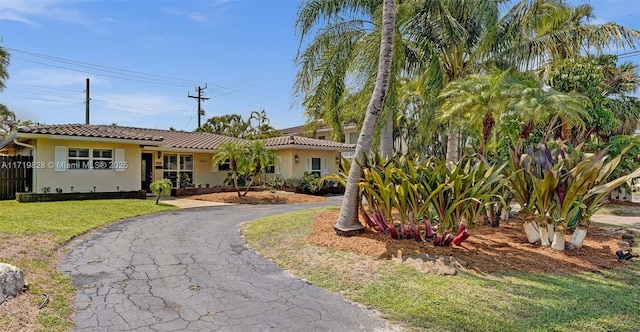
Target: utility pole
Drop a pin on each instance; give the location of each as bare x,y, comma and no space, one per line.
200,98
87,98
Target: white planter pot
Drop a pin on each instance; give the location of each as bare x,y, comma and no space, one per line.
544,236
533,236
558,240
578,236
505,214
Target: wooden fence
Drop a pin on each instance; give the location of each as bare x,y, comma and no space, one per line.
16,175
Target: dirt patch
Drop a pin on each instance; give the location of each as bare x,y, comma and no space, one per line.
259,197
21,313
487,250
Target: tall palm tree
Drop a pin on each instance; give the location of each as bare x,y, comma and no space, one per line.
476,99
258,157
338,67
8,122
234,153
4,63
232,125
347,223
462,38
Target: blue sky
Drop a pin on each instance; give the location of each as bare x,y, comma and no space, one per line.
144,57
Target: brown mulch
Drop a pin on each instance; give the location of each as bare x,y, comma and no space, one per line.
488,249
259,197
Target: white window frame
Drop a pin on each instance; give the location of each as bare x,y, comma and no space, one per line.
63,160
174,171
324,166
226,166
276,168
78,162
101,162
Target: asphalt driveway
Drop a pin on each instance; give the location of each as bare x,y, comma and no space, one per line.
188,270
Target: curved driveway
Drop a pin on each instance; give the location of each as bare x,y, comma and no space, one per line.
188,270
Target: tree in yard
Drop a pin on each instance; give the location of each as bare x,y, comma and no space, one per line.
233,125
4,63
258,157
7,121
347,223
337,70
462,38
234,153
160,187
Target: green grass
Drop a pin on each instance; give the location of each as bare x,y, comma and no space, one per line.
605,301
68,219
30,236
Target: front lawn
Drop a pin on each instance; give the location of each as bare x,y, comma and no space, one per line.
607,300
30,236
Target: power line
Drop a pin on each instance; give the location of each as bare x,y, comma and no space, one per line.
119,71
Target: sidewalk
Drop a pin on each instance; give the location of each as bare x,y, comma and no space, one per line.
185,203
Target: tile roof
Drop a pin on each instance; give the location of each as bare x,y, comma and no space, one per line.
305,141
171,138
82,130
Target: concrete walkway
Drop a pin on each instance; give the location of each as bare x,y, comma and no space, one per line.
188,270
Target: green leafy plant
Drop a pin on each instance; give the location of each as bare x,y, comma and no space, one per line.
160,187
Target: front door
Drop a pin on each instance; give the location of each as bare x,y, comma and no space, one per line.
147,171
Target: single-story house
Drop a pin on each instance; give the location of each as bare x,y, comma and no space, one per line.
107,158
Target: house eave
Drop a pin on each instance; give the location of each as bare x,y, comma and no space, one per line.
89,139
310,147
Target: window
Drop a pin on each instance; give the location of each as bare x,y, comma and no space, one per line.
186,170
353,138
318,166
178,169
274,168
342,139
78,158
322,137
224,166
171,168
84,158
102,159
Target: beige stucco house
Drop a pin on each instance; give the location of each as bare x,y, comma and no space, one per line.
107,158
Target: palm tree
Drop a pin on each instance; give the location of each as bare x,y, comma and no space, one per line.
347,223
462,38
338,67
8,122
477,99
258,157
232,125
4,63
234,153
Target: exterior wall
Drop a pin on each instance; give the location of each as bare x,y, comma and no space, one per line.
203,170
290,169
350,134
83,180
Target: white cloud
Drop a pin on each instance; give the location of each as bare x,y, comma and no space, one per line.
52,77
30,11
194,16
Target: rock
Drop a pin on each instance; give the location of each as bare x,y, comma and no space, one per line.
11,281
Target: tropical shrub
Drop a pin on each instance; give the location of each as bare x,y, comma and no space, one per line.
560,190
404,192
160,187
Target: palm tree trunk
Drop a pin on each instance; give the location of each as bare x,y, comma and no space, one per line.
347,223
386,137
452,145
234,170
255,173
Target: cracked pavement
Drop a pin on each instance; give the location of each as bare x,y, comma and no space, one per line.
189,270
